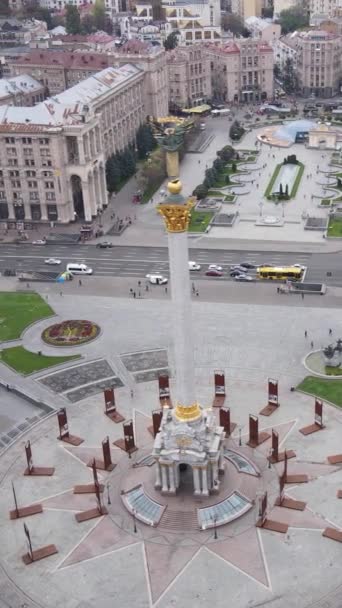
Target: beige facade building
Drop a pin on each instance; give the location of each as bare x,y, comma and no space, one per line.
52,155
330,8
241,70
263,29
60,70
20,91
317,60
247,8
189,76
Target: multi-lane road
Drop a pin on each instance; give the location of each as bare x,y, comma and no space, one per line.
138,261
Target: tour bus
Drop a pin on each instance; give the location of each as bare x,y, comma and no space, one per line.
280,273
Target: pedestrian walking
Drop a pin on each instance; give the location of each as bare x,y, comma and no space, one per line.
165,289
146,287
199,162
330,332
139,294
302,296
132,393
134,294
312,344
131,291
305,334
278,289
193,288
60,293
80,283
197,293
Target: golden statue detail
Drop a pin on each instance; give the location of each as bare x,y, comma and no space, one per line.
169,133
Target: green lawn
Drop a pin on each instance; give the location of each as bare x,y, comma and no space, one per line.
18,310
335,227
331,390
24,362
293,192
229,198
216,193
200,220
333,371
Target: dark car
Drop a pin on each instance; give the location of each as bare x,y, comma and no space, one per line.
104,245
247,265
214,273
235,273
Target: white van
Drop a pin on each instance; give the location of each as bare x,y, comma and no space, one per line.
194,266
74,268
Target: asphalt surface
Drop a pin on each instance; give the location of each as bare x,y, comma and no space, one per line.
121,261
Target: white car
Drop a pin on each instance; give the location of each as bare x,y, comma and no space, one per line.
243,278
299,266
157,279
39,242
52,262
215,267
194,266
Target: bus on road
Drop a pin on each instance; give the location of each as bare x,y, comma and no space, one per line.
280,273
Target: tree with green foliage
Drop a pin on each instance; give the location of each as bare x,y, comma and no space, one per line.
99,14
292,19
227,179
113,174
88,24
200,192
145,140
290,80
232,23
226,154
219,164
72,20
171,41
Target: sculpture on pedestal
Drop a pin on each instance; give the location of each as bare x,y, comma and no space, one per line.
169,133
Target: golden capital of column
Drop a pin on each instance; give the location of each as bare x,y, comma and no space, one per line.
176,211
187,413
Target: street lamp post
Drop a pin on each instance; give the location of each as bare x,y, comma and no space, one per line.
215,528
134,521
240,431
109,502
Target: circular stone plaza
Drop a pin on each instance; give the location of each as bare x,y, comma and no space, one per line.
119,558
170,461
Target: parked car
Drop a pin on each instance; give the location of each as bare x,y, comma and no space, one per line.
247,265
39,242
215,267
214,273
52,261
194,266
104,245
157,279
243,277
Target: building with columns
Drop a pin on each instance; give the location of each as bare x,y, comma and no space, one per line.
52,155
189,437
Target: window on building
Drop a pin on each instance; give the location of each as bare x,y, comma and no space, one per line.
34,196
15,183
9,140
49,185
30,174
36,213
27,140
52,213
45,152
29,162
47,163
13,173
4,211
17,196
44,141
11,151
2,195
50,196
13,162
32,184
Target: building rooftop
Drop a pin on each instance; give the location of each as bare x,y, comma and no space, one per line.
18,84
69,107
257,22
68,60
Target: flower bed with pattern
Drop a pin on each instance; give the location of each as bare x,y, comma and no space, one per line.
70,333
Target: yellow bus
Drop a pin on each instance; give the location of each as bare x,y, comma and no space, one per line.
280,273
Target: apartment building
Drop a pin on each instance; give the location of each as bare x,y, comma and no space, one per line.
330,8
247,8
264,29
317,60
52,155
20,91
241,70
189,76
59,70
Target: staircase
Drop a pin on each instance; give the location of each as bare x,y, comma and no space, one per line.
179,520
